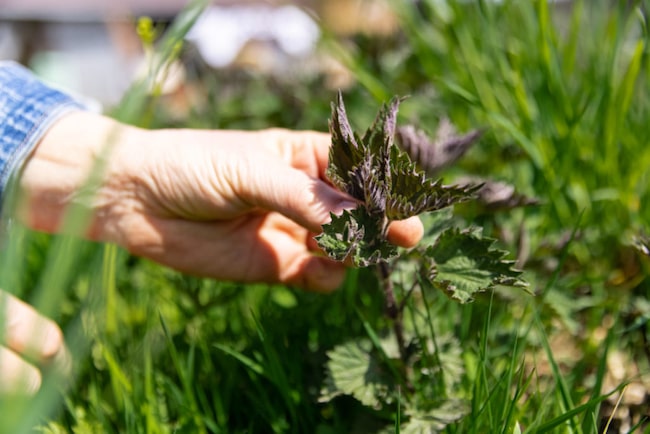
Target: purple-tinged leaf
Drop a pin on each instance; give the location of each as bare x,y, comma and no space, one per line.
356,236
346,152
497,195
380,136
434,155
412,192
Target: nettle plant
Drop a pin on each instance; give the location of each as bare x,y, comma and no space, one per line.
391,172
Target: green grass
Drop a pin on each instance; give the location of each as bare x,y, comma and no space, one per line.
572,102
565,103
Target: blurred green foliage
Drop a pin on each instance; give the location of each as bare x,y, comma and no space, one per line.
563,95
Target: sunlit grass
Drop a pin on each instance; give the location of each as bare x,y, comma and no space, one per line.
565,106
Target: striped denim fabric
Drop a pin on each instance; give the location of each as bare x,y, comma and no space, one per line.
28,107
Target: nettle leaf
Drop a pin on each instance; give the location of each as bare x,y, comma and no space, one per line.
497,195
355,369
346,153
436,419
355,235
449,369
462,263
374,188
358,183
385,181
412,192
379,137
436,223
434,155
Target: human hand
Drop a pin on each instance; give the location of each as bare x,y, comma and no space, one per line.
233,205
29,342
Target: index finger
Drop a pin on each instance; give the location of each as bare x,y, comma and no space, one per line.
28,333
306,150
322,144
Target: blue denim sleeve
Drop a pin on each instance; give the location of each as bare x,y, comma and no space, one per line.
28,107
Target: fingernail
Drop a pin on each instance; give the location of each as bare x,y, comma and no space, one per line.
32,382
53,342
343,206
62,362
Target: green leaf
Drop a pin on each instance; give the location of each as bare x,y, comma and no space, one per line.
435,223
450,367
355,235
436,419
462,263
354,369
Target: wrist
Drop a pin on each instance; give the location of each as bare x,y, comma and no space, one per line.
58,172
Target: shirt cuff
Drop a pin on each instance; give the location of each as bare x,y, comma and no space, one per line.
28,108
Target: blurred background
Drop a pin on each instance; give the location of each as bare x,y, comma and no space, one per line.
562,90
92,47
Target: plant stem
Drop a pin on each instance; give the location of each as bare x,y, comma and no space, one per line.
392,310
